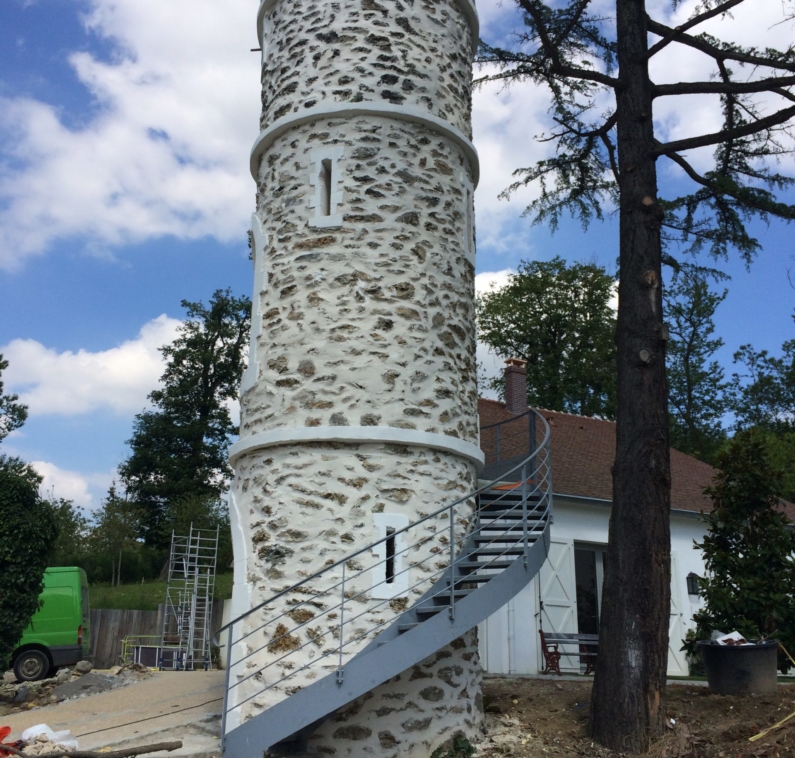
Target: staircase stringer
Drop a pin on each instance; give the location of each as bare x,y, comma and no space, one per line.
384,658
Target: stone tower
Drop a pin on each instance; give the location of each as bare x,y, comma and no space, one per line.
359,407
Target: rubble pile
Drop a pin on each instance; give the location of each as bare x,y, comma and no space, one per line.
67,684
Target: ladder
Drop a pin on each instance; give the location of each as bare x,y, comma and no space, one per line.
187,633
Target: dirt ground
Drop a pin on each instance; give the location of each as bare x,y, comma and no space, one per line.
534,718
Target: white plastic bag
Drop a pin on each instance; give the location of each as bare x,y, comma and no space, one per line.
59,738
733,638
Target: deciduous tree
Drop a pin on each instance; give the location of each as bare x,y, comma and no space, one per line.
594,60
749,549
180,447
12,413
558,318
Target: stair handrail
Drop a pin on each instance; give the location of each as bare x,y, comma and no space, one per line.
489,485
495,540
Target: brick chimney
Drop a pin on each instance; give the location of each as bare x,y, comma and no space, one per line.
515,385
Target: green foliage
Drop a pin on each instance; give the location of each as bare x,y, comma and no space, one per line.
179,449
558,318
12,413
763,397
571,50
749,550
696,386
145,596
73,530
461,747
28,536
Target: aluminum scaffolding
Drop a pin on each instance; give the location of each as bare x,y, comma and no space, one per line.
189,601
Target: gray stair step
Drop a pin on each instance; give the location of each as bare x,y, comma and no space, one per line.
513,549
510,526
475,565
514,538
515,513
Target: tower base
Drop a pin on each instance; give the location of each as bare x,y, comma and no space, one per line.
412,714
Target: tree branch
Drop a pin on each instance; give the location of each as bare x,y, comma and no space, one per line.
671,34
704,182
715,52
551,50
723,88
705,140
123,753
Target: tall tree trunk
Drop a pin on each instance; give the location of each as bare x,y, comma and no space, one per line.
627,707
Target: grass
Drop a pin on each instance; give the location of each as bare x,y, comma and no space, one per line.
146,596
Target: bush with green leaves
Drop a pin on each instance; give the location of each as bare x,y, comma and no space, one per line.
749,550
27,539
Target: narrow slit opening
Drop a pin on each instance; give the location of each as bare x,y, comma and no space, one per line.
325,187
390,555
470,230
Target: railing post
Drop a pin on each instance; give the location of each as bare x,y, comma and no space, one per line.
499,470
524,514
226,685
531,420
340,672
452,563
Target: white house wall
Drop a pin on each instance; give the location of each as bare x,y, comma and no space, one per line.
509,639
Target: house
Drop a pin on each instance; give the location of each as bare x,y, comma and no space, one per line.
566,594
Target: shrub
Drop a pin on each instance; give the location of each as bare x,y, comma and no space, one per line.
749,550
27,538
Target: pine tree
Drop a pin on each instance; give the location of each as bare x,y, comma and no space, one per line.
594,62
696,387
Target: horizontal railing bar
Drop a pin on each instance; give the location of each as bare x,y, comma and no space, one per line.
445,508
496,539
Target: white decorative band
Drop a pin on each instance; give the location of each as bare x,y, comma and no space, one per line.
348,110
467,8
372,435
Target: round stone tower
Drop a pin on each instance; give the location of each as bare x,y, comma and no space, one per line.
359,407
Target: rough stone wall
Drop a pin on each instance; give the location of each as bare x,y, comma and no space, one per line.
308,506
367,322
371,324
412,714
414,53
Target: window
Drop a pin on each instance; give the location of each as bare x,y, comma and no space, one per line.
390,575
693,584
390,555
328,195
468,215
589,571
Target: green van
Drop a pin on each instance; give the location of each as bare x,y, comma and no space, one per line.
58,635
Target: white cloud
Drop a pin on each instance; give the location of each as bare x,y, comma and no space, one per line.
166,152
490,365
490,281
84,489
70,383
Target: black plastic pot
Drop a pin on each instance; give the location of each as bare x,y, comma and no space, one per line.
742,669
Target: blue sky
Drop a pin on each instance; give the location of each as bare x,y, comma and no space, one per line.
125,128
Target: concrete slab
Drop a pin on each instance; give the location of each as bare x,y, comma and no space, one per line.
172,705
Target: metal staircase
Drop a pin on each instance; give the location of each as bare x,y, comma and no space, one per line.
495,539
189,601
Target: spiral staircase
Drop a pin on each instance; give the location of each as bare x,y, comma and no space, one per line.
491,557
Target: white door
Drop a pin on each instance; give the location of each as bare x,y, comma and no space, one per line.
677,663
557,591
